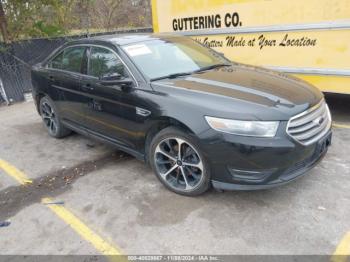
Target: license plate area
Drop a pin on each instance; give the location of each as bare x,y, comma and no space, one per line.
323,144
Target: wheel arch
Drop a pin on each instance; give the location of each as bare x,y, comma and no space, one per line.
160,124
37,99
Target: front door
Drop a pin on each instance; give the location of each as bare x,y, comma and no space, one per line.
110,111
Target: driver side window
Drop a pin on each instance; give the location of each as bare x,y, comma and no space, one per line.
104,62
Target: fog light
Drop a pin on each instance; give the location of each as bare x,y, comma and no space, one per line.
250,176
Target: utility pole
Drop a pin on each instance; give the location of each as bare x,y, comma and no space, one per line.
3,25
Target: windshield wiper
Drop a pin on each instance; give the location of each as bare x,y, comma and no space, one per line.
190,73
211,67
172,76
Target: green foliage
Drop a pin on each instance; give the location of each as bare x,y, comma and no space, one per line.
3,48
41,29
50,18
20,15
37,18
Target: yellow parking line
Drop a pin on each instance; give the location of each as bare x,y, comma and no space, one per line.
342,252
101,245
84,231
15,173
336,125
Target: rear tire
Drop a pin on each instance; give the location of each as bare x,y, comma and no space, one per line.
177,161
52,119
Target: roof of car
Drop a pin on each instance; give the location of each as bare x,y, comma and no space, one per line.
124,39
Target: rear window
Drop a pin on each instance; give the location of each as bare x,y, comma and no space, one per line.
57,61
70,59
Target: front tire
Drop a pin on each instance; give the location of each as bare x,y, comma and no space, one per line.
51,118
177,161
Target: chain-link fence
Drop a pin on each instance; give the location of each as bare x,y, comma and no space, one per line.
16,60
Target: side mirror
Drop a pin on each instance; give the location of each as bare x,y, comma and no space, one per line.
117,81
110,77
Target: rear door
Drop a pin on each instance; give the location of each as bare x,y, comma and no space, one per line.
65,75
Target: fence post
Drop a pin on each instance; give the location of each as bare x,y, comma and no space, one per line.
3,93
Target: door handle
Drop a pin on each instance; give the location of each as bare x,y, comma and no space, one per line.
87,86
95,105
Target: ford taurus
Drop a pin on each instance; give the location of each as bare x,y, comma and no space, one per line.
197,118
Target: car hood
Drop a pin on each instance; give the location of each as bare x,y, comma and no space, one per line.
258,92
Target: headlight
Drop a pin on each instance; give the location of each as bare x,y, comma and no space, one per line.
244,128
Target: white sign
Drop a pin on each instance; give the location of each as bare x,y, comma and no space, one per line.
136,50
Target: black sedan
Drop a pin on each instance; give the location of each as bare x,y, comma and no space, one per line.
195,117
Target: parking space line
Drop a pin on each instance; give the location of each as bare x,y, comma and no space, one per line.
342,252
336,125
84,231
15,173
67,216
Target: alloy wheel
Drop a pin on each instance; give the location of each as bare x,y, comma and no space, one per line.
49,117
179,164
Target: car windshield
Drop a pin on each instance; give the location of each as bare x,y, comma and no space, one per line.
172,57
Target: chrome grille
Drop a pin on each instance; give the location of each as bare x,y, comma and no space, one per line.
311,125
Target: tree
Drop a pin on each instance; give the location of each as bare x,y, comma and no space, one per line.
27,18
113,14
47,18
63,12
106,12
3,25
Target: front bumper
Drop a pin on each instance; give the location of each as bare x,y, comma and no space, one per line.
245,163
